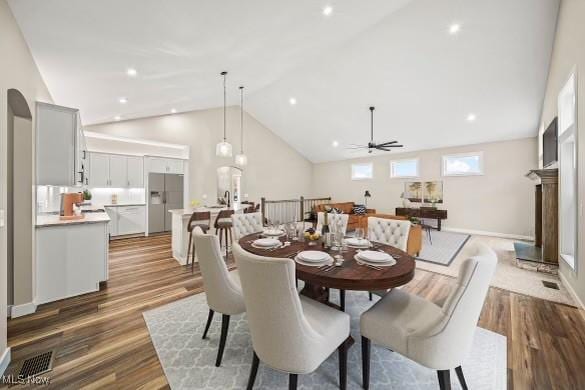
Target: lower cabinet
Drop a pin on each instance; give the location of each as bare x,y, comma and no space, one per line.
126,220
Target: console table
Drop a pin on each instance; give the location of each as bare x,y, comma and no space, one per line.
423,212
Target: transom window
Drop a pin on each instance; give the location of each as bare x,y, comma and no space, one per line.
407,168
464,164
362,171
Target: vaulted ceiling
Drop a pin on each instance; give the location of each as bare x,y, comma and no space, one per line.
398,55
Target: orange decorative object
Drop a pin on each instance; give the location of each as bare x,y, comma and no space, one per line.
68,199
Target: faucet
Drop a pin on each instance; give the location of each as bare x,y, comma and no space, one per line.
229,198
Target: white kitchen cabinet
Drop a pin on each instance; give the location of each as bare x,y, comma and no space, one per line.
164,165
60,146
131,219
71,259
118,171
135,172
175,166
99,170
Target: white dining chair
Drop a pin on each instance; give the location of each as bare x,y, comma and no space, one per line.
290,333
244,224
335,221
437,337
222,288
391,232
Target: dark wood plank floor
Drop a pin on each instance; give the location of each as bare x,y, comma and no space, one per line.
101,340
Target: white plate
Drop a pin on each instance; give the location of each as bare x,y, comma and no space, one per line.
313,256
327,261
273,232
266,242
358,243
376,264
374,256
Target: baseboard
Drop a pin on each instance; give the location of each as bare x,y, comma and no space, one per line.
22,310
569,288
4,361
491,234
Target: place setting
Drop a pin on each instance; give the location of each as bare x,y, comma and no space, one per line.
374,259
314,258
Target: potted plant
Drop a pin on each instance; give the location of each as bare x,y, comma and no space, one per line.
86,194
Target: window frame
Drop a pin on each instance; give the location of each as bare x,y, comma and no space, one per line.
371,164
446,157
393,162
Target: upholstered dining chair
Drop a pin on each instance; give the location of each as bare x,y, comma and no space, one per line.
201,219
223,227
339,221
290,333
436,337
222,288
244,224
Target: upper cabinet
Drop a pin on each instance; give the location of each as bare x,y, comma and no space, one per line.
114,170
60,146
164,165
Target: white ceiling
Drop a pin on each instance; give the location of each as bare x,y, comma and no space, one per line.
394,54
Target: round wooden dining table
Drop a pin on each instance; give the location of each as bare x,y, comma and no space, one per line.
349,276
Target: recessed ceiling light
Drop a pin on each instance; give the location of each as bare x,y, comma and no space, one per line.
327,10
123,100
335,144
117,118
292,101
454,28
471,117
131,72
173,110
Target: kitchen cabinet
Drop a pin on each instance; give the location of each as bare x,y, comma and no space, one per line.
60,146
164,165
115,170
126,219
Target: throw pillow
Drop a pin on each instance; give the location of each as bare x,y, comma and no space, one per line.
359,209
335,210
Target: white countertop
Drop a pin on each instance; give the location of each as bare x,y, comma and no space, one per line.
45,220
124,204
190,211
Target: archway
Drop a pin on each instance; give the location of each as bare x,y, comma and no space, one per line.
19,202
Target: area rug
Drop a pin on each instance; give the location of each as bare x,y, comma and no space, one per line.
442,247
188,361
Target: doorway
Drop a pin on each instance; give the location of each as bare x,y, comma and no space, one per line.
19,203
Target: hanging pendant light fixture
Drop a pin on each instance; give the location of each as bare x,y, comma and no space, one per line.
224,148
241,159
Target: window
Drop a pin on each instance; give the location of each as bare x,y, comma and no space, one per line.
362,171
404,168
464,164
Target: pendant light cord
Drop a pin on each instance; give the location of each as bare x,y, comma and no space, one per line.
242,119
224,105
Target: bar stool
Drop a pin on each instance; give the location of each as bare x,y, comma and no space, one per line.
201,219
223,225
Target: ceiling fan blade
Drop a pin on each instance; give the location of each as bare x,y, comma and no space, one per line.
388,143
394,146
384,149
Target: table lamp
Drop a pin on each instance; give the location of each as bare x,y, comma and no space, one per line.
366,196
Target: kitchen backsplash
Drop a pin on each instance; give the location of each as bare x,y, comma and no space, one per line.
48,197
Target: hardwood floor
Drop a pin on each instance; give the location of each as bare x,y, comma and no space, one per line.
101,340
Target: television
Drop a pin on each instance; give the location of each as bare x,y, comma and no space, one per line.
550,144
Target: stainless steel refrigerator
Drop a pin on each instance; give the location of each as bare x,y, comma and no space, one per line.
165,192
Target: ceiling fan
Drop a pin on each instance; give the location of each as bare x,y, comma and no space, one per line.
385,146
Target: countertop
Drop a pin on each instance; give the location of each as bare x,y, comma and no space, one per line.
190,211
124,204
46,220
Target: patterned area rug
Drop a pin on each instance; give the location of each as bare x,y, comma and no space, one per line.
442,247
188,361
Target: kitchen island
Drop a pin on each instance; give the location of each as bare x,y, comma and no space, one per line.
71,255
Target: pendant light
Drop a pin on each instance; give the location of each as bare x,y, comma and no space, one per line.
224,148
241,159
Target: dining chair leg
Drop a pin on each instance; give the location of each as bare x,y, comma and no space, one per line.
292,381
459,372
253,372
193,259
189,248
370,295
366,345
209,319
444,379
225,324
342,300
342,365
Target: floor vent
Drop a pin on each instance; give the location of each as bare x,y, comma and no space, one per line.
37,365
552,285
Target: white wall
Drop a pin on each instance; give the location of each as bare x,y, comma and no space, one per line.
500,201
17,70
269,157
568,52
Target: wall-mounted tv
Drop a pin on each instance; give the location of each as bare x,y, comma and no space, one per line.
550,144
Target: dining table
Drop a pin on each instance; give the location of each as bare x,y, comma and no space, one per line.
351,274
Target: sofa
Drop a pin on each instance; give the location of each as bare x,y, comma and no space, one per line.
414,244
355,220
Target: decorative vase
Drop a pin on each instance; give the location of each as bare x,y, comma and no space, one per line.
406,203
